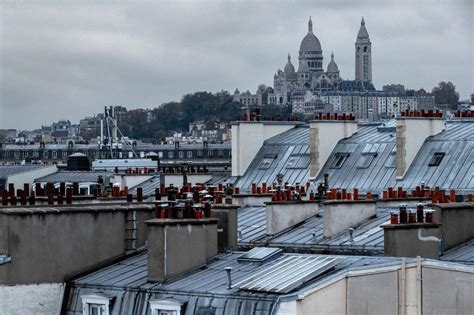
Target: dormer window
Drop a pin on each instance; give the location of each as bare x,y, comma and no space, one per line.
165,307
436,159
95,304
339,160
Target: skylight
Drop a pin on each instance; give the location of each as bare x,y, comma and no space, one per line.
259,254
436,159
339,160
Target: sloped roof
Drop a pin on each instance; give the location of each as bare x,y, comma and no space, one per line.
148,186
280,150
9,170
73,176
204,287
463,253
378,140
456,170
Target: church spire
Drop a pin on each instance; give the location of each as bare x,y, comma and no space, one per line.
289,58
310,25
332,55
362,22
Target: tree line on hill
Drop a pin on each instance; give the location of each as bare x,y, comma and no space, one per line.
211,107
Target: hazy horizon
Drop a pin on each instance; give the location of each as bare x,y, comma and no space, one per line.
67,60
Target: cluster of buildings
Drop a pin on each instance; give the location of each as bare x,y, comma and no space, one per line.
339,215
312,88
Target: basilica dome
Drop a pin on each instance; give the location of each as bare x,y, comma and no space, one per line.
310,42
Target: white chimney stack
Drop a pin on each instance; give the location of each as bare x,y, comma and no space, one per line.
412,130
324,133
248,138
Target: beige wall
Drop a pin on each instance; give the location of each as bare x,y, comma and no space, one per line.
426,289
248,138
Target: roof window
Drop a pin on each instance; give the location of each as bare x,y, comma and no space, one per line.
436,159
339,159
365,160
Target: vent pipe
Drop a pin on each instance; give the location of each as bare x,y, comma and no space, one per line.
229,277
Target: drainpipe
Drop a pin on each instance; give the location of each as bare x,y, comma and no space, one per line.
418,285
403,288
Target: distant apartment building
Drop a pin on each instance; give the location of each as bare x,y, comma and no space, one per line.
247,98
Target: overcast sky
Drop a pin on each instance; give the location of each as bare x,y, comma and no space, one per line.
68,59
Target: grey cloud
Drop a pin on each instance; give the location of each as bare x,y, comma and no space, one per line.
68,59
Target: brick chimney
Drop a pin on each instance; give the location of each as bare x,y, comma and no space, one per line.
170,240
412,130
324,133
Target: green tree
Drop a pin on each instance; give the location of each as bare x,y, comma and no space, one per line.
445,93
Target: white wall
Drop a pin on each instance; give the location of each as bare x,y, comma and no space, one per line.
30,176
38,299
340,216
411,134
323,137
281,216
248,138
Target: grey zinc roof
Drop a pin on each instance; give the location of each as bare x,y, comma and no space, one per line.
289,145
251,225
73,176
370,139
126,282
368,237
456,170
463,253
148,186
9,170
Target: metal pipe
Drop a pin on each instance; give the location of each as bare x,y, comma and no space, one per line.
229,277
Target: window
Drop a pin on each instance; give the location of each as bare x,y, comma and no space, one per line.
436,159
54,155
365,160
189,154
181,154
339,160
298,161
199,153
165,307
95,304
265,163
160,154
210,153
391,160
170,154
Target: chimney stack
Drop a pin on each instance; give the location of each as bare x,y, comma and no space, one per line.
324,133
340,215
248,138
168,239
412,130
